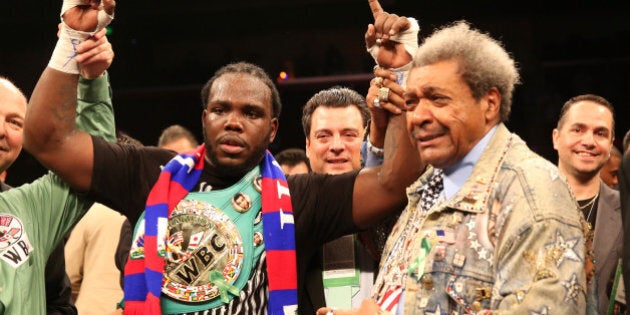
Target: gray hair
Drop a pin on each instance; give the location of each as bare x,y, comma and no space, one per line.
483,62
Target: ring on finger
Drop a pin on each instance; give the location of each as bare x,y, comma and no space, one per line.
376,67
383,94
377,102
378,81
379,41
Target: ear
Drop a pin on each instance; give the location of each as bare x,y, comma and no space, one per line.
204,113
274,129
554,138
308,147
612,141
492,101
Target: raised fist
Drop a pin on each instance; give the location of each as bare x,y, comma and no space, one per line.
87,15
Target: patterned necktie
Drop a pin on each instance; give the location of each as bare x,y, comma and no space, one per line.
434,186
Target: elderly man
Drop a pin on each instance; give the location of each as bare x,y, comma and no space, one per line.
35,217
490,226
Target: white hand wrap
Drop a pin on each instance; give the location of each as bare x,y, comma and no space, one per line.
62,58
409,39
402,73
103,18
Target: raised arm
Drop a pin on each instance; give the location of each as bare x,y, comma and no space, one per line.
50,131
391,40
382,190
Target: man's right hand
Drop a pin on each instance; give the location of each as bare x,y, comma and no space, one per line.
84,15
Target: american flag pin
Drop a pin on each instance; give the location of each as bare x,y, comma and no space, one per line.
446,236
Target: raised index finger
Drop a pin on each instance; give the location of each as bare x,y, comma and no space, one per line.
375,7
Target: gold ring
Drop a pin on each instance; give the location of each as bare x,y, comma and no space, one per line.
378,81
383,94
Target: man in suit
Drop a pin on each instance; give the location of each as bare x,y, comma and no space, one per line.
624,191
584,140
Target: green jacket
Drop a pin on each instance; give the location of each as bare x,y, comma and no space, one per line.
35,217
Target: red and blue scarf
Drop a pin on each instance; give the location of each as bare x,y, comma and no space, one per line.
143,277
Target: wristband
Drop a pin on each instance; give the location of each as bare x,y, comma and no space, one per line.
376,151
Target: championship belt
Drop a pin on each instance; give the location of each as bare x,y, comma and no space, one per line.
201,239
210,247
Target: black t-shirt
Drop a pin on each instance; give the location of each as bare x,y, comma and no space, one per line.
123,176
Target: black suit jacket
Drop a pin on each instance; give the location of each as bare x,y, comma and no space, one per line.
624,192
608,242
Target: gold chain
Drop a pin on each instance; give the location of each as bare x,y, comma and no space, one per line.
591,203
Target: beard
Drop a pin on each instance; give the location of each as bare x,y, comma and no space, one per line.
237,169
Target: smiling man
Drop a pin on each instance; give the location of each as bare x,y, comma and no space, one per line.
584,140
334,122
12,118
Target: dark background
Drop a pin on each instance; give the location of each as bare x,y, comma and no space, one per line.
166,50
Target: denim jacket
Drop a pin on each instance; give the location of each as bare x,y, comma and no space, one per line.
509,242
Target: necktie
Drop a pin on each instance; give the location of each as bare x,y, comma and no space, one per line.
430,195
